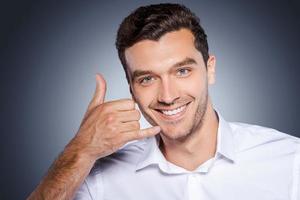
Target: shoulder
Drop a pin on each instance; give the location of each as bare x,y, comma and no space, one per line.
114,168
125,158
248,136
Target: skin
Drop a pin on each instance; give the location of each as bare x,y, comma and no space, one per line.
105,128
188,139
158,83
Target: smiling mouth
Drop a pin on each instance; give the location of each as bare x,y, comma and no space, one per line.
171,114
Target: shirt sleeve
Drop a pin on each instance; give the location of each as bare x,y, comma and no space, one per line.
92,188
83,193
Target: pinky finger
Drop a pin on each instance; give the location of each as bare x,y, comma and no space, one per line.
143,133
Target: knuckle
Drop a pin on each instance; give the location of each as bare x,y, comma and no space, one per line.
130,103
138,114
138,134
136,125
110,118
106,107
145,133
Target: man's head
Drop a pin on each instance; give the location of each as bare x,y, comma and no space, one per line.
152,22
164,52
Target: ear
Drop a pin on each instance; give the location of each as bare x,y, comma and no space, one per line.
211,69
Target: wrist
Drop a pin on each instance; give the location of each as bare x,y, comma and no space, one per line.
79,154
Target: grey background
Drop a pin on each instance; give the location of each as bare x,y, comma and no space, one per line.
50,52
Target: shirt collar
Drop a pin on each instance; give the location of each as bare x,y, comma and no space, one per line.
225,140
152,155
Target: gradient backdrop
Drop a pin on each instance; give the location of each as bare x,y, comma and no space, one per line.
50,53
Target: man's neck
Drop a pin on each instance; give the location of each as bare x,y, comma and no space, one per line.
197,148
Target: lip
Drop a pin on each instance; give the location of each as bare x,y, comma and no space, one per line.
172,118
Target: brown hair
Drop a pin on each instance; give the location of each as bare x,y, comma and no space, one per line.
152,22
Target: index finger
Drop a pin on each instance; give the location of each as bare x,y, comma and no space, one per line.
121,104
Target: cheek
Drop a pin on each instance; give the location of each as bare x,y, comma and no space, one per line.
144,96
197,88
192,86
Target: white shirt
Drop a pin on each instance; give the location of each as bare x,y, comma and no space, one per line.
251,163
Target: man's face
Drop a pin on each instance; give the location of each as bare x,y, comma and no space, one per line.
169,79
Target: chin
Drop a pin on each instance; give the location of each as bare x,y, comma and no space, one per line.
175,134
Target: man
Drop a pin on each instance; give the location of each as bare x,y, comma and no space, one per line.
191,152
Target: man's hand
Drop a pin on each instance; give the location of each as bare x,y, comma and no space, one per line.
107,126
103,130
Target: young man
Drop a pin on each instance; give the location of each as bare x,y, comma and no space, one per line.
191,152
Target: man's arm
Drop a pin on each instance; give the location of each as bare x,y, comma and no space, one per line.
104,129
64,177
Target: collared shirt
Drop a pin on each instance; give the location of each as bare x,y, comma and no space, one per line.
251,163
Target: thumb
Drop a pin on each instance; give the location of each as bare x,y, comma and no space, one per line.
100,92
100,89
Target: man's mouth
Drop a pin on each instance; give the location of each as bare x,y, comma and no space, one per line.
171,114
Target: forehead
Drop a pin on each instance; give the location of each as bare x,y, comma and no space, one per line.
158,55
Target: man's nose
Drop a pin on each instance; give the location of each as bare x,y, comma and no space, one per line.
168,93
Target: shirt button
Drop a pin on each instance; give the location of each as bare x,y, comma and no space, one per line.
193,176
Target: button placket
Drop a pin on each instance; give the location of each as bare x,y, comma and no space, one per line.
194,187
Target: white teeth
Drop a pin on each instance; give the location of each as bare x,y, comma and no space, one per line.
173,112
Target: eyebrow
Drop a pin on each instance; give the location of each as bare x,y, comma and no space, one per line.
186,61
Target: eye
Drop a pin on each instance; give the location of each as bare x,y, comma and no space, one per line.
183,72
146,80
